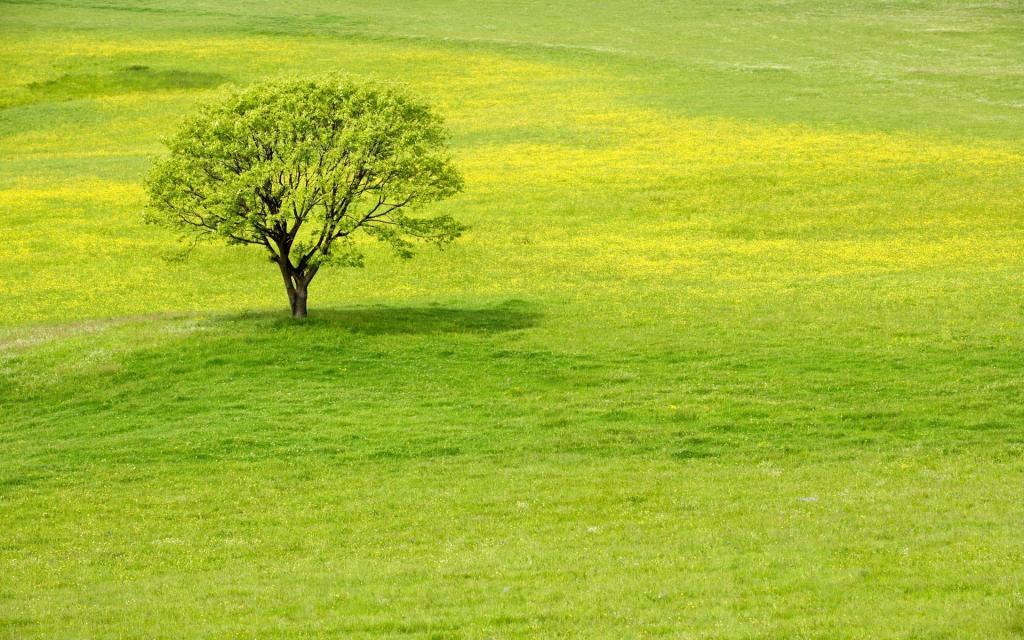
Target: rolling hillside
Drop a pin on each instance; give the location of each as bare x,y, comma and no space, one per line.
734,347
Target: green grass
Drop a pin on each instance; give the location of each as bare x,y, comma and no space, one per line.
130,79
734,348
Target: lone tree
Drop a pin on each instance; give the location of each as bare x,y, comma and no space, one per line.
298,167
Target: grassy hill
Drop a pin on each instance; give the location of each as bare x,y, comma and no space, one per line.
734,347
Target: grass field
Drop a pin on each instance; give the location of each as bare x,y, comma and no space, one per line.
733,349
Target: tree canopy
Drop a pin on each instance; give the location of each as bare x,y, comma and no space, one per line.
301,168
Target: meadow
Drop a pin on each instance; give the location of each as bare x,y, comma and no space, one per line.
734,347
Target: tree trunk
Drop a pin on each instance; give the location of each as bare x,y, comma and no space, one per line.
299,302
289,287
296,284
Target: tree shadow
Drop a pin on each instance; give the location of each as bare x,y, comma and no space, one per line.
385,320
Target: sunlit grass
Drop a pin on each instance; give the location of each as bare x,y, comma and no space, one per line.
733,347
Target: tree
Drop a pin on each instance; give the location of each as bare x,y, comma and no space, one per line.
300,168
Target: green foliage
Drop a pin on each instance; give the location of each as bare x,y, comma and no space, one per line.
298,167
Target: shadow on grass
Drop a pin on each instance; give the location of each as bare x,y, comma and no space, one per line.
384,320
129,79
